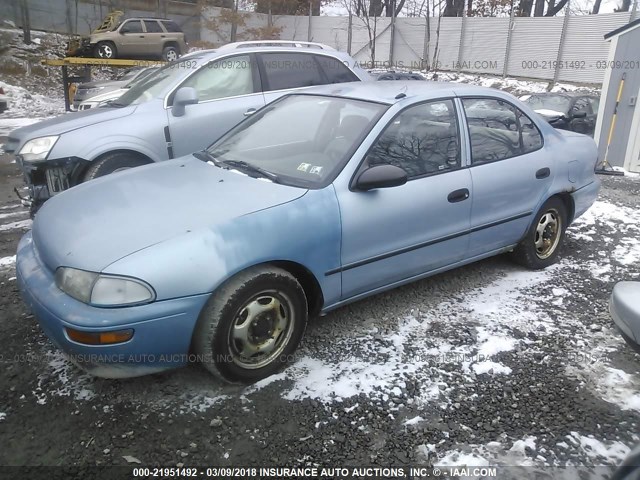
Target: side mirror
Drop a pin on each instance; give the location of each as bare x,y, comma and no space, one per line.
579,115
381,176
184,96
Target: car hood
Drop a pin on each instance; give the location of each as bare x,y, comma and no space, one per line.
103,83
110,95
68,122
550,113
95,224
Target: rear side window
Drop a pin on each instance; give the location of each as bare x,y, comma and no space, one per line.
290,70
498,130
335,70
131,26
170,26
152,26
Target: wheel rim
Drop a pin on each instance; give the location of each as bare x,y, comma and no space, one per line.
261,330
105,51
172,55
548,233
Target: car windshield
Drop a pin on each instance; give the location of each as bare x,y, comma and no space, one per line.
140,78
557,103
129,74
152,85
302,140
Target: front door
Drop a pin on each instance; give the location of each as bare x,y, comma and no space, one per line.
132,40
228,90
393,234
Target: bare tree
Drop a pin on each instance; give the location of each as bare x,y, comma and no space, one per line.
624,6
26,21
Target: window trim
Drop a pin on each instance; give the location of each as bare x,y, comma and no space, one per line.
481,97
361,166
257,86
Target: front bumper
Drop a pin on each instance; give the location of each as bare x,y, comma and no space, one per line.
624,307
162,329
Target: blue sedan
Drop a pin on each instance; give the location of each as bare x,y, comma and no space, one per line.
320,199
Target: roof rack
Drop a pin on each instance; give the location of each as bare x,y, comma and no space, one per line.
274,43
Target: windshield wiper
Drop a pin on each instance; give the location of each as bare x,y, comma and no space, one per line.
205,156
240,164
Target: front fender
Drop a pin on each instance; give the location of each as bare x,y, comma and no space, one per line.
305,231
142,132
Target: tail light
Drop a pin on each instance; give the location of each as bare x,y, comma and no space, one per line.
1,91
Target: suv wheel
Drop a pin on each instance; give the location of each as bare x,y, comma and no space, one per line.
111,163
105,50
170,53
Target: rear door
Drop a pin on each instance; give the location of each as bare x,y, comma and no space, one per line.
228,90
155,36
510,169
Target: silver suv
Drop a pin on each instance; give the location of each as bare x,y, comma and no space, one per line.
181,108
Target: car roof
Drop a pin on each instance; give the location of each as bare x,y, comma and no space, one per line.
392,92
211,54
562,94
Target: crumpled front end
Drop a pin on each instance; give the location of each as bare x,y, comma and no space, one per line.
45,179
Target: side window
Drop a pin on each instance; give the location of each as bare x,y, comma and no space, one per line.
152,26
131,26
171,26
335,70
291,70
227,77
498,130
422,140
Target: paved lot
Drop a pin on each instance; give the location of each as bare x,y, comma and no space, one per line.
485,364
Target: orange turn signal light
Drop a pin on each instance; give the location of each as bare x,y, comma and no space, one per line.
99,338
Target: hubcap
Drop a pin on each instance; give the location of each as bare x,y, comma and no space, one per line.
105,51
261,330
172,55
548,234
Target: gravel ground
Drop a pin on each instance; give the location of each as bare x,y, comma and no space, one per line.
486,364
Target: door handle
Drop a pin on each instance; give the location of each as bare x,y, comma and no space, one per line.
543,173
249,112
458,195
141,36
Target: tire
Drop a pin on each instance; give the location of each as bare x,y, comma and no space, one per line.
274,295
105,50
170,53
548,229
113,162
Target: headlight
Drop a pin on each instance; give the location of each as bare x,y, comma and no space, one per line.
38,148
103,290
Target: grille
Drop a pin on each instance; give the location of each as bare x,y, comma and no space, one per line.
57,180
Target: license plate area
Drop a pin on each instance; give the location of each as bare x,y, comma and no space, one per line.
57,180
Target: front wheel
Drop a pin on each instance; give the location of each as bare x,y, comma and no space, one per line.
251,325
105,50
111,163
541,244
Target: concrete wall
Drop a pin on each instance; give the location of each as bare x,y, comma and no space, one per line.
538,48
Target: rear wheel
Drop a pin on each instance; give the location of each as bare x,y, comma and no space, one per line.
170,53
105,50
541,245
251,325
113,162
